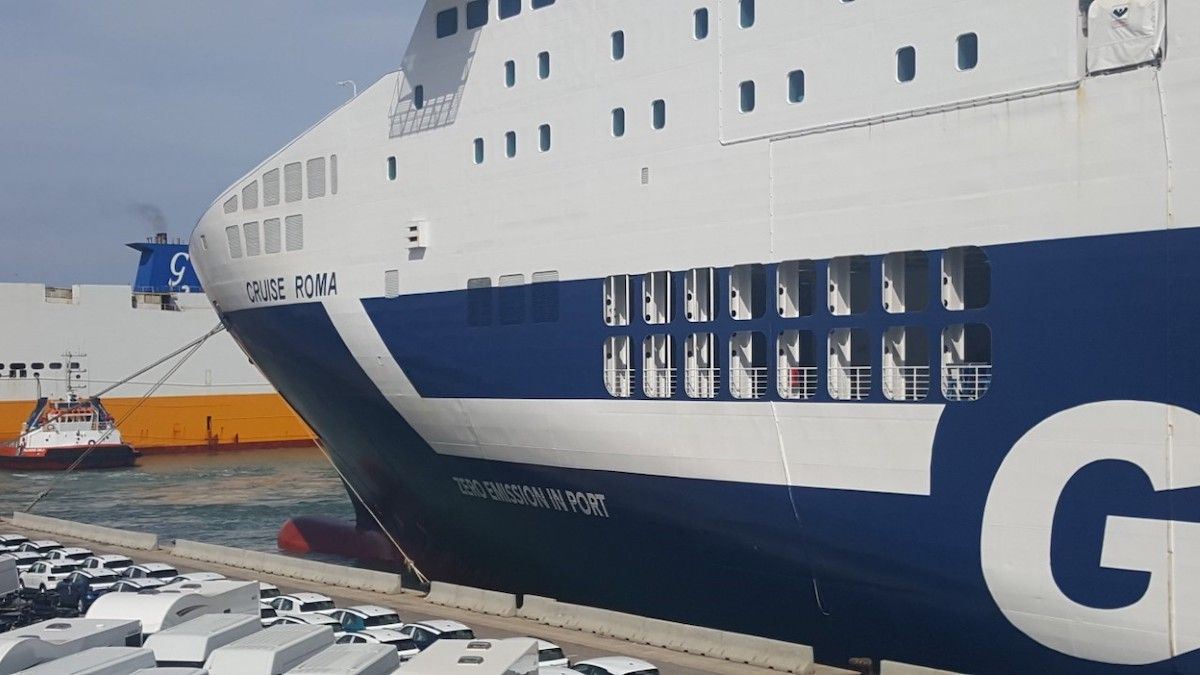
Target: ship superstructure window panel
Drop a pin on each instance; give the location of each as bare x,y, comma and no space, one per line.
968,51
478,150
702,368
658,114
233,235
253,242
294,232
746,96
618,122
510,74
543,59
700,294
447,22
618,370
747,292
966,278
906,64
509,8
544,138
316,177
617,46
657,298
658,366
796,370
391,284
966,361
477,14
250,196
616,300
849,279
906,364
510,144
849,376
271,188
272,240
748,365
796,86
231,205
391,168
795,289
700,24
419,96
746,13
538,4
293,182
905,282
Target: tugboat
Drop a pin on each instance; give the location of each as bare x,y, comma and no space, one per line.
65,433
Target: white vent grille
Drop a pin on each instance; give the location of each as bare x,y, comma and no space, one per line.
544,277
316,177
418,235
231,204
250,196
234,235
271,238
333,174
293,175
294,232
253,245
391,284
271,188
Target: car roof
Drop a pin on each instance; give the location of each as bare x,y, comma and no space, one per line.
384,634
75,549
154,567
546,644
371,610
97,573
313,618
45,542
107,557
62,562
24,554
620,663
309,597
8,536
142,582
441,625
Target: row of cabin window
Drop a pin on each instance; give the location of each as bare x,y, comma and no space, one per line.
510,144
905,374
513,302
905,288
293,185
478,13
37,365
246,239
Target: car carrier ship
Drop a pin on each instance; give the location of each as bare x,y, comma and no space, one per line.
81,340
865,324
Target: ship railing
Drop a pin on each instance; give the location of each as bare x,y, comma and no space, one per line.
747,383
906,383
850,383
702,382
966,381
797,383
619,381
659,382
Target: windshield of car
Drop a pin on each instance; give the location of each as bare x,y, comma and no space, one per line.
465,634
65,565
382,620
164,574
553,654
117,564
401,644
317,606
266,593
268,612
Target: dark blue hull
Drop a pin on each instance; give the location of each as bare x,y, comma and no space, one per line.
854,573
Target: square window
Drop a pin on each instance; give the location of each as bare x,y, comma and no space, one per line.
968,51
477,13
906,64
796,86
509,8
447,22
618,122
746,96
658,114
700,23
543,65
618,45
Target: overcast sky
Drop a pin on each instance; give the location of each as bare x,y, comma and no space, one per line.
111,112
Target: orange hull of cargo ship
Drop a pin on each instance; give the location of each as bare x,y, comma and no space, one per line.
176,424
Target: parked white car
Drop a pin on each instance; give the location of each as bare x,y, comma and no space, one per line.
43,546
198,576
425,633
25,559
615,665
302,603
152,571
137,585
10,542
363,617
45,574
76,553
404,645
550,654
112,562
310,619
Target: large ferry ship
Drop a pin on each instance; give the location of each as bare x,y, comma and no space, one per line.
84,339
867,325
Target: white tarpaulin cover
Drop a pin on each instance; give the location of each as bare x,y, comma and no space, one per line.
1124,33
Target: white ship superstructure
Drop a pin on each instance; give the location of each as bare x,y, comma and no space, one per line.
862,324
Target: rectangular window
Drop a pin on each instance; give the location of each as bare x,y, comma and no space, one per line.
658,366
479,151
748,365
272,240
905,282
512,299
250,196
293,227
745,13
795,288
699,294
906,363
966,278
796,376
316,177
271,188
618,122
477,14
391,284
509,8
231,204
544,138
538,4
657,298
234,236
510,74
658,114
391,168
968,51
616,300
333,183
700,23
746,96
796,86
510,144
543,65
618,45
702,377
906,64
293,182
447,22
849,281
618,371
480,301
419,96
253,243
747,292
966,361
849,365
